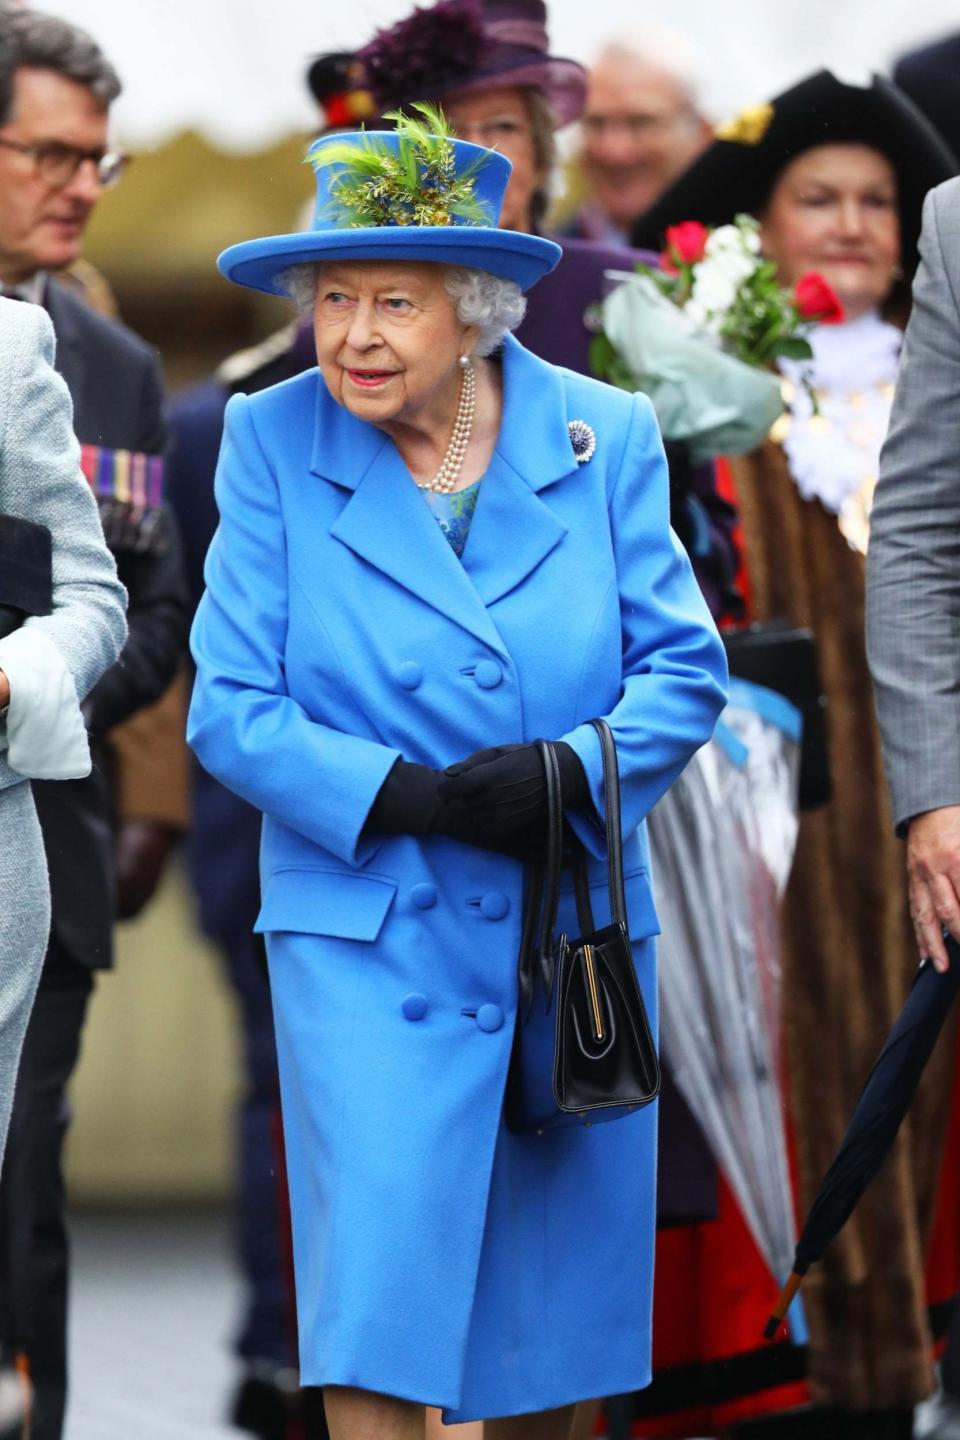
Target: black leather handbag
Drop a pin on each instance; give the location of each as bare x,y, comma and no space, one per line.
583,1051
26,571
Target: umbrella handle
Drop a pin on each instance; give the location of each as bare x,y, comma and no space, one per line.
779,1312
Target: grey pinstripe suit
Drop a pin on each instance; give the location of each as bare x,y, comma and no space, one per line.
913,567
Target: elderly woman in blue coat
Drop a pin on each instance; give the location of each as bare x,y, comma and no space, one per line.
433,549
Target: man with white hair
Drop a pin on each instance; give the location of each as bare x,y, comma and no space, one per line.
642,126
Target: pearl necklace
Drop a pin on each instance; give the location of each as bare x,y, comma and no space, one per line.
445,480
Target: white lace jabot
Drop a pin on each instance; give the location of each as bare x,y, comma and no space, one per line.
834,456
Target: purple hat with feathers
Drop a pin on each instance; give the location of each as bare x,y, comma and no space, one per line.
467,45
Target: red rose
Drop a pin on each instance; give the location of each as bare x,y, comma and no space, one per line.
685,244
816,300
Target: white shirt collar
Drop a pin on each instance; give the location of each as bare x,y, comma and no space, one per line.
32,289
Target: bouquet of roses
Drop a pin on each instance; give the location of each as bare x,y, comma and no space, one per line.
699,334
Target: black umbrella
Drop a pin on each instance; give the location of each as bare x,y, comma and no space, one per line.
886,1098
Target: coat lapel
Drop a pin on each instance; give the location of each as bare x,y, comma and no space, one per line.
534,437
513,530
387,523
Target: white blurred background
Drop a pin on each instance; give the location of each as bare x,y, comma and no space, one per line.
233,69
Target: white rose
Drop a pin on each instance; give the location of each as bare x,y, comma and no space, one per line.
713,288
724,238
708,325
734,265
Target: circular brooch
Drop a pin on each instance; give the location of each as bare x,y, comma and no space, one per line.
583,440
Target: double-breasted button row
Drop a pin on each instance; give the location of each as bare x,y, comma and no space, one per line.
489,1017
488,674
492,906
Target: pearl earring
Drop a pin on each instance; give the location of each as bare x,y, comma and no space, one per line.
465,362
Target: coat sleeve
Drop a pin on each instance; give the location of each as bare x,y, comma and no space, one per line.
913,565
674,666
246,729
40,461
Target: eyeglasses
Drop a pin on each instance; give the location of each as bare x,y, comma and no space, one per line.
636,126
56,163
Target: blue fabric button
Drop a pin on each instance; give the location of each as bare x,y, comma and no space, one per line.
424,896
409,675
489,1018
488,674
414,1006
495,905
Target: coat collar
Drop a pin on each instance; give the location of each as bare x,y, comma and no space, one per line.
386,522
534,403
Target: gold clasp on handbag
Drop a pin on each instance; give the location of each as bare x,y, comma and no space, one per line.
591,969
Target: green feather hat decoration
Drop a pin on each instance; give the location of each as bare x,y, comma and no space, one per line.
415,193
413,182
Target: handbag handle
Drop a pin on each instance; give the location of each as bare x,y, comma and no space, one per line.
611,806
542,903
542,899
551,898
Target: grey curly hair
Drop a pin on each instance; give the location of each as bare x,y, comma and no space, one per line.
493,305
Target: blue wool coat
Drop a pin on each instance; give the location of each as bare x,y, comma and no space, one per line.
439,1257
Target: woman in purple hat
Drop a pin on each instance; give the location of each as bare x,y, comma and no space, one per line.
433,549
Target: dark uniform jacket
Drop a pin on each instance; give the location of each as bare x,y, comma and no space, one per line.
115,383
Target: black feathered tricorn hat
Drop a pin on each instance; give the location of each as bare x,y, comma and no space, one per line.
736,173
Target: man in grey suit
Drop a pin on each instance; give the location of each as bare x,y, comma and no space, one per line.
913,629
913,583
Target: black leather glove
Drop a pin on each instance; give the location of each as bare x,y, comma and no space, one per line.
496,798
407,802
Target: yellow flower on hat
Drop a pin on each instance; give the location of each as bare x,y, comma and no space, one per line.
747,128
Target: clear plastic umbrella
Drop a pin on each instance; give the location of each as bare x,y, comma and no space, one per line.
722,841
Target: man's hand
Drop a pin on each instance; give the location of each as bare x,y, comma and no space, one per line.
4,691
933,872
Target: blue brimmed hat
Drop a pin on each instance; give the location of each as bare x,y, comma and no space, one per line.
400,195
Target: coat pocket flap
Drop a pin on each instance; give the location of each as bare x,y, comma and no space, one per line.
326,902
641,910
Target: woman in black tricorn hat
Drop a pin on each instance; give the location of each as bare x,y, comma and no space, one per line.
836,174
